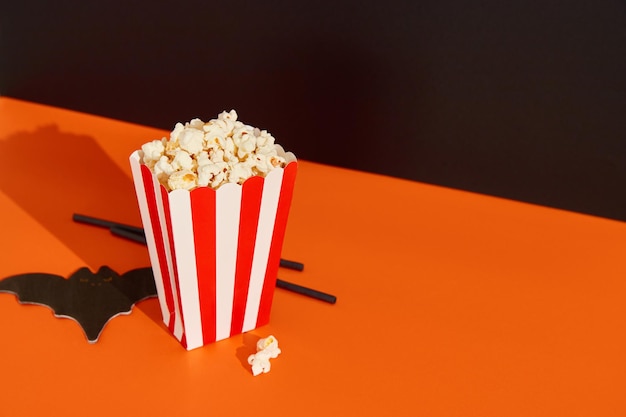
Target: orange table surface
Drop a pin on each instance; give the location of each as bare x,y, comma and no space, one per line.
450,303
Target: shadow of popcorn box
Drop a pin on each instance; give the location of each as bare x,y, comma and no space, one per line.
214,253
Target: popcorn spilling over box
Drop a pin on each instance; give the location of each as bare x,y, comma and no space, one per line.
214,200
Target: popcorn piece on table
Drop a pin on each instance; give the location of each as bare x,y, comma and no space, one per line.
266,349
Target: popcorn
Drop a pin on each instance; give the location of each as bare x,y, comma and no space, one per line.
212,174
182,161
163,169
240,172
191,140
266,349
152,151
223,150
185,180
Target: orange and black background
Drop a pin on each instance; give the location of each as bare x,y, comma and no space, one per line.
520,99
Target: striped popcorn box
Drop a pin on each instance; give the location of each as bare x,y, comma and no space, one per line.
214,253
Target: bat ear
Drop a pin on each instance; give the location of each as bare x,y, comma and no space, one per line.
105,270
81,272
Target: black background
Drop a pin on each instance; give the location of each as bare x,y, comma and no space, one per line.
520,99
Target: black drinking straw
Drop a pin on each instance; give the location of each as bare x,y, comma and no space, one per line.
291,264
136,234
309,292
127,234
81,218
289,286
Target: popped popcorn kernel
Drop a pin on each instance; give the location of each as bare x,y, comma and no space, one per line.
152,151
185,180
267,349
222,150
191,140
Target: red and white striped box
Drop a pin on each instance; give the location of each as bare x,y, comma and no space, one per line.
214,253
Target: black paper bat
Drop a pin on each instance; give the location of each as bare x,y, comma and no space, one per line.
90,299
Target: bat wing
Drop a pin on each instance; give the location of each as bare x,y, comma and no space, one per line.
74,298
91,300
37,288
137,284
